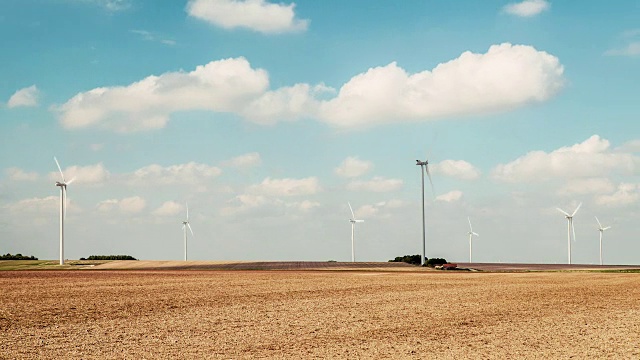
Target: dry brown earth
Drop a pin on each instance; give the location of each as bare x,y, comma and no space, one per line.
318,314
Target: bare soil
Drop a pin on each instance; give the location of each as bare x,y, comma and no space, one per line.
293,314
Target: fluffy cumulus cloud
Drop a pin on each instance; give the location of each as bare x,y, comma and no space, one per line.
169,208
582,186
459,169
256,15
377,184
505,77
382,209
590,158
17,174
130,205
526,8
451,196
244,161
24,97
353,167
90,174
225,86
49,204
626,194
189,173
284,187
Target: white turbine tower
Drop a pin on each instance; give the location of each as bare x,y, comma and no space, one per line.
471,234
570,228
353,222
185,225
63,207
425,165
601,230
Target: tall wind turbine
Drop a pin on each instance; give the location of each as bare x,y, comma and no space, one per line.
601,230
353,222
63,207
185,225
471,234
570,228
424,165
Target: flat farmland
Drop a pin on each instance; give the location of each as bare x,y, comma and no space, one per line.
318,314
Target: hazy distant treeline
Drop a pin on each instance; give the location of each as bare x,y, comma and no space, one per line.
17,257
109,257
415,260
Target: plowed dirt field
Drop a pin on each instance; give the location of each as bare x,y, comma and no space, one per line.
318,314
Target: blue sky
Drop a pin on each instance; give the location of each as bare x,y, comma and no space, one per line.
267,117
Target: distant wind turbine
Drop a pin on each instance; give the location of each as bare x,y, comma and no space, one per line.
63,207
601,230
185,225
570,228
424,165
471,234
353,222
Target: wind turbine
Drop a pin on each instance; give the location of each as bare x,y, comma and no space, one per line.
570,228
471,233
425,165
185,225
353,222
601,230
63,207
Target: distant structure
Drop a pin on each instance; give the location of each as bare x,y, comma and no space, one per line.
63,207
185,225
601,230
471,234
424,165
353,222
570,228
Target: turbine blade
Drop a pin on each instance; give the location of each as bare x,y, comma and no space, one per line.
578,208
189,225
562,211
470,227
59,168
607,228
66,201
353,216
476,234
72,180
359,221
426,169
573,229
187,211
599,225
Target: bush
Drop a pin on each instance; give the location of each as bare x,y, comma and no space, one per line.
17,257
409,259
110,257
436,261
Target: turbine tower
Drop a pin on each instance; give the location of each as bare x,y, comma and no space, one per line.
353,222
63,207
424,165
570,228
185,225
601,230
471,234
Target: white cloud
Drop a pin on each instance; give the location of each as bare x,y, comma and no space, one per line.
169,208
284,104
381,209
90,174
631,49
244,161
257,15
505,77
459,169
286,187
306,205
451,196
128,205
591,158
151,36
17,174
48,204
632,146
527,8
626,194
224,85
353,167
587,186
377,184
24,97
111,5
189,173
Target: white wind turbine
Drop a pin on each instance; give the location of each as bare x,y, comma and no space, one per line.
425,165
570,228
185,225
471,234
63,207
601,230
353,222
